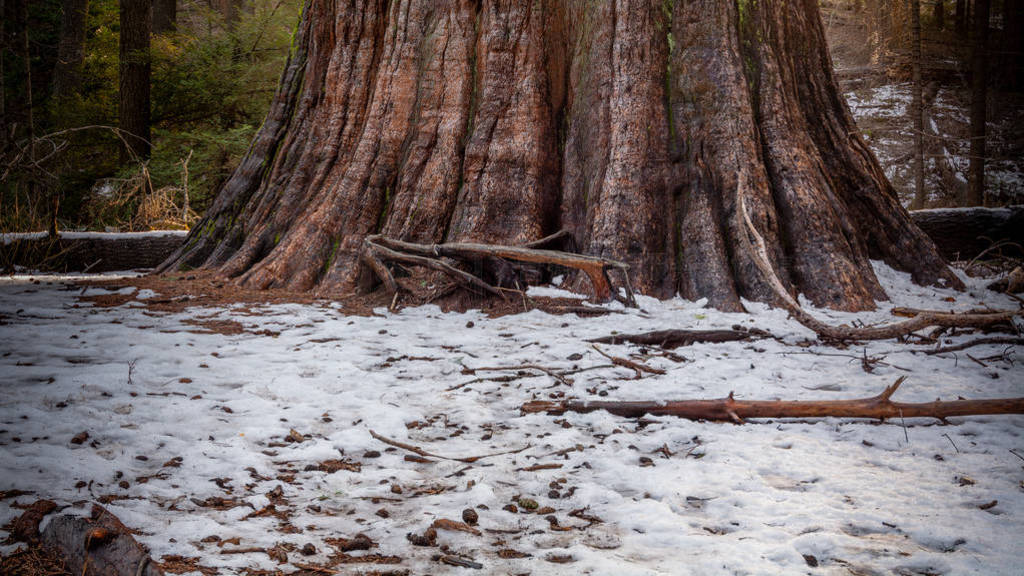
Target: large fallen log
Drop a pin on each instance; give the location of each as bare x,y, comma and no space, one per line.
880,407
377,249
920,318
963,233
675,338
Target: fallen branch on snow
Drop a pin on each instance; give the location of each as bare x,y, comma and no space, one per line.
675,338
920,319
731,410
377,249
421,452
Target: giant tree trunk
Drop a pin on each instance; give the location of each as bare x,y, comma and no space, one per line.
634,125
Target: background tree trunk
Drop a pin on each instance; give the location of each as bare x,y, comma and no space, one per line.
979,98
961,18
165,15
67,74
637,127
1013,44
917,107
134,74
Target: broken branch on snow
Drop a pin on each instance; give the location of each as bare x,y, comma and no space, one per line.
378,249
675,338
731,410
421,452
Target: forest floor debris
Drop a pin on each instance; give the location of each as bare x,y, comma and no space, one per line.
310,441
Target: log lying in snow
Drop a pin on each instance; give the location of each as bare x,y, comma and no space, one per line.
378,249
731,410
963,233
676,338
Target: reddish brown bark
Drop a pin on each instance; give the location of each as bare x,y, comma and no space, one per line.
632,125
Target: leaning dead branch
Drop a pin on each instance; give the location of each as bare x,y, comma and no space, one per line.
731,410
378,249
920,319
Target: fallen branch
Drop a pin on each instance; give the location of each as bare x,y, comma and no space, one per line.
921,318
731,410
421,452
377,249
636,367
978,342
675,338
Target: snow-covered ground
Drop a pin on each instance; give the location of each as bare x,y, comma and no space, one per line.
178,415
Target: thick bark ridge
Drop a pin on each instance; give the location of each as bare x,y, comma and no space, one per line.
635,126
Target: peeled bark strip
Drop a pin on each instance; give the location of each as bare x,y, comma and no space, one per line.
628,124
731,410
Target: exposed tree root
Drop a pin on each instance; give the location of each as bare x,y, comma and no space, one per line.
378,249
920,319
731,410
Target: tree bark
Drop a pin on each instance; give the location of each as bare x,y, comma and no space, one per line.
67,73
636,126
133,77
979,97
165,16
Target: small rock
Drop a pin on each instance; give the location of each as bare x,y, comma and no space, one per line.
371,454
510,508
80,438
469,516
308,550
811,560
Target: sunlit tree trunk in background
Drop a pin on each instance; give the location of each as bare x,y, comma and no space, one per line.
165,15
134,76
67,74
917,108
979,96
939,14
